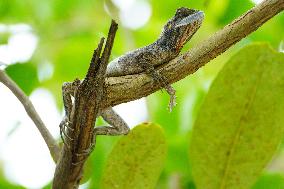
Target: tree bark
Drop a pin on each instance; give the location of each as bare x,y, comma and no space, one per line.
88,98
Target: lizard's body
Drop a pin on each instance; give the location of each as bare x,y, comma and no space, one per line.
176,33
128,64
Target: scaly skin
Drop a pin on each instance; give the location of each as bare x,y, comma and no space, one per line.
176,33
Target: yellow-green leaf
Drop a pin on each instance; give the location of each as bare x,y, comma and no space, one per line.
241,121
137,159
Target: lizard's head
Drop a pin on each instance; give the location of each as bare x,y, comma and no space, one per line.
179,30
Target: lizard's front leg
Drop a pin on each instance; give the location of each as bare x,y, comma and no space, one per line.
158,78
68,90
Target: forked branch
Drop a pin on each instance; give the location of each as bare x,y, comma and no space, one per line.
88,98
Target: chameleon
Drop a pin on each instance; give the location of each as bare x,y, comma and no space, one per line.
175,34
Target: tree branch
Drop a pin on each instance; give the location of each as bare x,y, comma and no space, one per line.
49,140
131,87
87,104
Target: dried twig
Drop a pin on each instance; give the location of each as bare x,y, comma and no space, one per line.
88,100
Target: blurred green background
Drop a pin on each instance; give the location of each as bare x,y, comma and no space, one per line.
68,31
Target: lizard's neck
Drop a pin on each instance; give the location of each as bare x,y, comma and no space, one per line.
169,42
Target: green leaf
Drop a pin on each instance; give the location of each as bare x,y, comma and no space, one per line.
137,159
241,121
269,181
4,37
234,10
25,75
98,158
5,183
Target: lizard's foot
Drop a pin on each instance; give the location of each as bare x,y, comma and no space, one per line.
170,90
83,156
85,153
64,127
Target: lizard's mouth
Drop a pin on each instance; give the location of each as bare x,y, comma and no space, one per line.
193,19
188,25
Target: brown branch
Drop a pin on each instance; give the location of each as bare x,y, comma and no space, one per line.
49,140
132,87
87,104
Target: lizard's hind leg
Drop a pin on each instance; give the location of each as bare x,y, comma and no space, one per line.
117,127
117,124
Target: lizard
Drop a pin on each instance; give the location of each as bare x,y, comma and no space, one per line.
176,33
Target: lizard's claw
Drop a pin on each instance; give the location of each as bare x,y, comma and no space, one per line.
64,124
171,91
162,81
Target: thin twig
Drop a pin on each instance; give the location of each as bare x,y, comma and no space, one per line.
49,140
